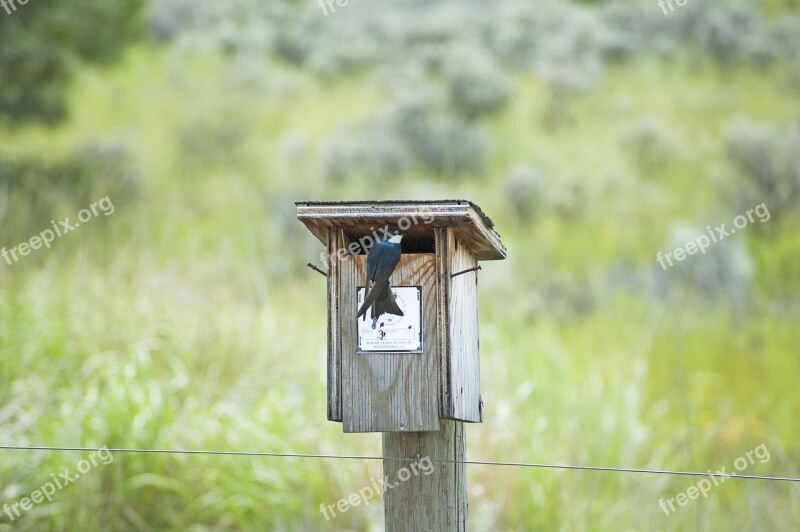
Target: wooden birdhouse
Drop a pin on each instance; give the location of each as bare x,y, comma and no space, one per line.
404,373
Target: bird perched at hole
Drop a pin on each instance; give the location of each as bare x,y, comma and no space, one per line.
381,262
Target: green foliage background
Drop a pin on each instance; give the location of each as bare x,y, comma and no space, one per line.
42,39
595,134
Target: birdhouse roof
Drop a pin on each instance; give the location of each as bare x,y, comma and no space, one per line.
359,218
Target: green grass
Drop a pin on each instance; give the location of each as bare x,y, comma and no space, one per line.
183,321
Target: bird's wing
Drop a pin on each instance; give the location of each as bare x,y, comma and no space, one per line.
372,265
381,262
372,295
387,261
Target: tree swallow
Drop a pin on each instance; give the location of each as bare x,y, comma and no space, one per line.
381,262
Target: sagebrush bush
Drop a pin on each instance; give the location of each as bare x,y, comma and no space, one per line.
724,273
767,158
726,33
730,32
534,191
525,189
341,156
477,84
237,26
417,132
650,142
441,142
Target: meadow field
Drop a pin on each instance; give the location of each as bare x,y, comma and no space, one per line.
595,134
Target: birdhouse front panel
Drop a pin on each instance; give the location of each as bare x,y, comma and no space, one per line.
385,390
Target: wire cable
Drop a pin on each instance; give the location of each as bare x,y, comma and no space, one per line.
358,457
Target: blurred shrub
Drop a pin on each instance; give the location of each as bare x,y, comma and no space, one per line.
42,39
37,192
389,154
724,273
167,19
335,45
768,159
785,33
640,27
232,27
477,84
560,296
733,34
525,190
416,132
342,156
512,31
533,191
569,58
291,45
442,143
650,142
373,152
566,43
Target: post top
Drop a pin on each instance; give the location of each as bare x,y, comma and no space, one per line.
359,218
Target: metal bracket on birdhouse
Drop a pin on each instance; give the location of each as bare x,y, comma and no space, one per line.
475,269
316,269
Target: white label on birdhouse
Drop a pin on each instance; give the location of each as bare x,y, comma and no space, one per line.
389,333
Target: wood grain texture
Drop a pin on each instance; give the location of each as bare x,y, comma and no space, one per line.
457,316
465,371
443,321
426,502
383,392
358,218
336,240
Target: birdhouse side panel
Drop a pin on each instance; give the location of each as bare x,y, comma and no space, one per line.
465,369
459,385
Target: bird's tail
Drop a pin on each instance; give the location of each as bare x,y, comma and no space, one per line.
386,304
381,299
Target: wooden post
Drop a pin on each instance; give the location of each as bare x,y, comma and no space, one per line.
435,501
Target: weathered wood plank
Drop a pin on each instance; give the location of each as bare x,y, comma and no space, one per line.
384,392
432,502
457,318
443,320
465,392
336,240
